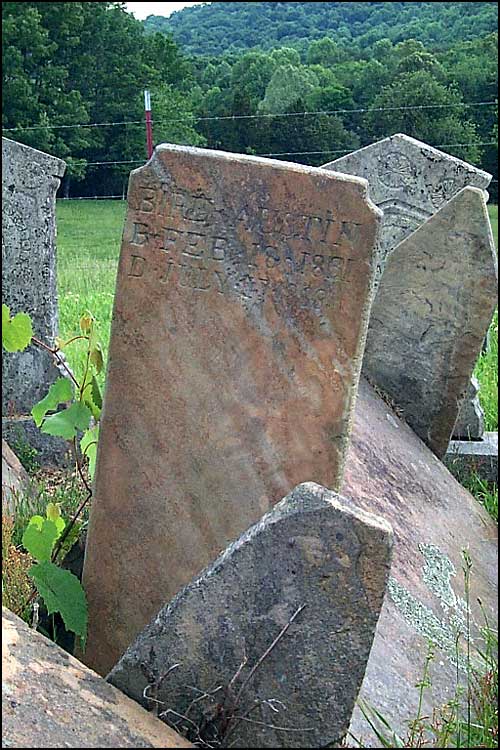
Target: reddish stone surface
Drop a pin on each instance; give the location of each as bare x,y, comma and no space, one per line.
390,472
243,294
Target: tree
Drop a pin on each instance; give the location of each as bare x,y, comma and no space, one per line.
288,83
440,120
325,52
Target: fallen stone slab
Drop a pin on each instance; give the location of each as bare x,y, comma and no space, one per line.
313,570
49,699
477,456
243,295
431,314
392,473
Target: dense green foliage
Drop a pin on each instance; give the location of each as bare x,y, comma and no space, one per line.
388,67
216,28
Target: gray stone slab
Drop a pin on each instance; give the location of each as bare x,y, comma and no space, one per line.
409,180
314,556
49,699
431,314
470,420
47,450
477,456
30,180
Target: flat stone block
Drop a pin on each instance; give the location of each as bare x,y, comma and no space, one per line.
313,569
479,456
49,699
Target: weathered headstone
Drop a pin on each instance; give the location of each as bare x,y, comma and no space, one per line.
410,180
431,314
49,699
243,293
314,563
390,472
30,180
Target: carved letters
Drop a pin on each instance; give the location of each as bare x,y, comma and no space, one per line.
189,243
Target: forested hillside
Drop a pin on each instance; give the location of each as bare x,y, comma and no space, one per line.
74,76
216,28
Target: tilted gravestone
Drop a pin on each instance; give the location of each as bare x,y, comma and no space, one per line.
15,480
30,180
243,294
430,316
309,578
410,180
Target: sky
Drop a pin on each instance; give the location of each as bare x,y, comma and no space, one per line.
143,10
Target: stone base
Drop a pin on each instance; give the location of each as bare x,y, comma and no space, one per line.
480,456
41,450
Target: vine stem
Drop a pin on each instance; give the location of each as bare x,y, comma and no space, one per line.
80,508
60,360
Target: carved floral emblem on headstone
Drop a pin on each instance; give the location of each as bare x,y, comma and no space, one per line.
395,170
443,191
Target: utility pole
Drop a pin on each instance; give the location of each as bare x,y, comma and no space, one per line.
149,123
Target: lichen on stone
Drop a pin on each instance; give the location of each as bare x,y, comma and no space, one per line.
445,633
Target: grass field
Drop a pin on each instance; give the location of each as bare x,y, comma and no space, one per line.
89,236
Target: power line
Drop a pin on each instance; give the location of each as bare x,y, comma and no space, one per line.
126,161
348,151
297,153
93,198
255,117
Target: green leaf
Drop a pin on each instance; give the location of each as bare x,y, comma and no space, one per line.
67,423
16,331
39,537
92,395
88,444
59,392
96,358
53,513
62,592
96,393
